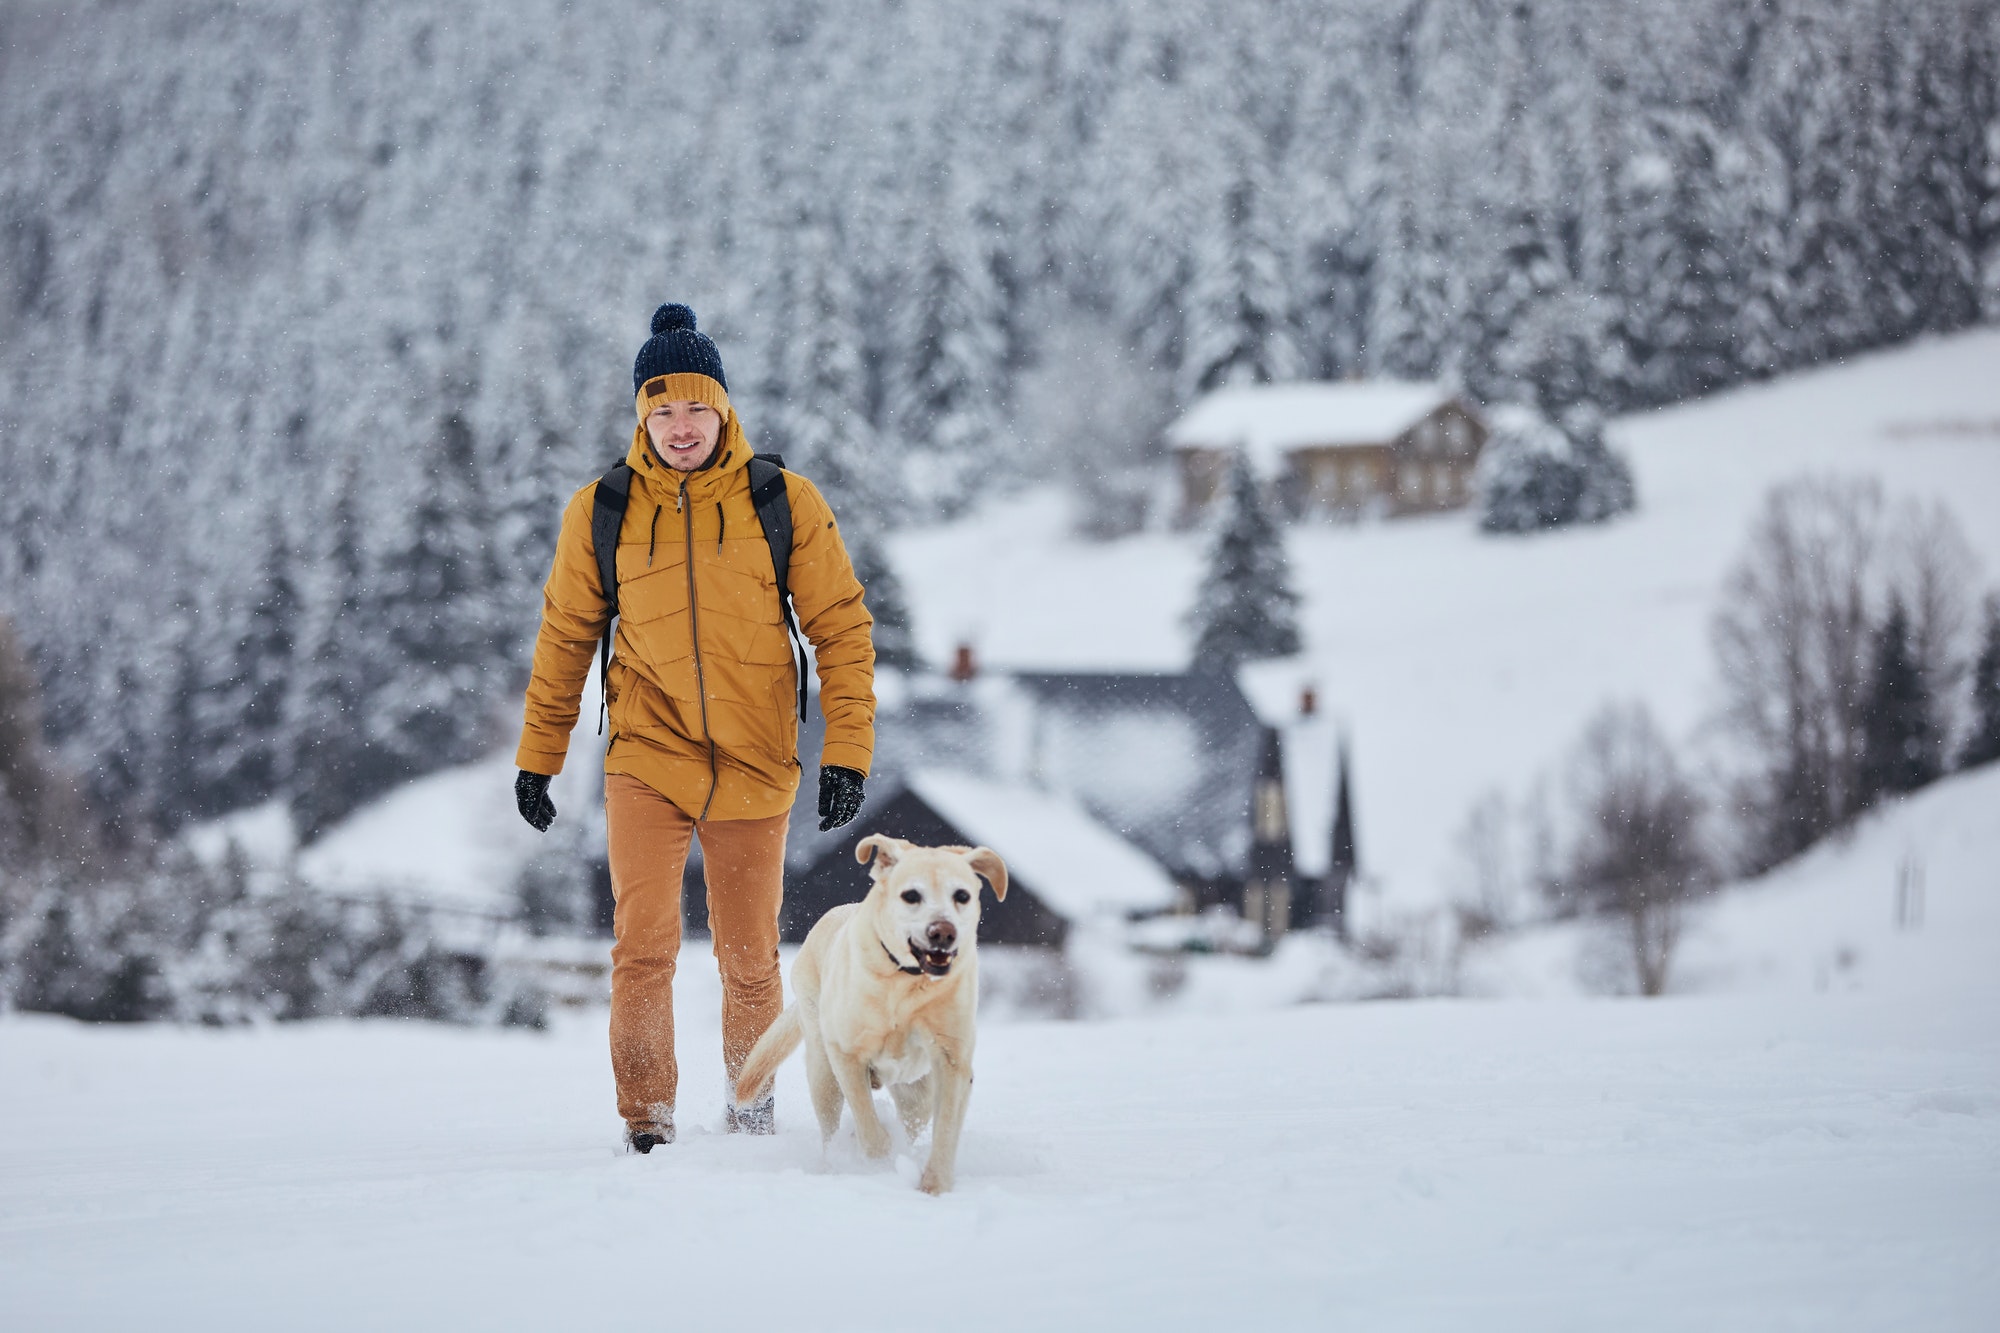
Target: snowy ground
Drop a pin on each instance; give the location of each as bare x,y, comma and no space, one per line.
1817,1162
1806,1143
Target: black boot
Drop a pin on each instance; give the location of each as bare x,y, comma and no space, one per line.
644,1138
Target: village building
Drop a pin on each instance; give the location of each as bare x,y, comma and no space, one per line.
1364,448
1064,868
1167,776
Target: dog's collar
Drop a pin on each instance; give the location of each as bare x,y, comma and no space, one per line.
913,971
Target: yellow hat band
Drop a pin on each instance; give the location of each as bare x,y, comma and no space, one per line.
685,386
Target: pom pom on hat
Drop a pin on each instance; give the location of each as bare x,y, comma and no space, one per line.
676,349
672,315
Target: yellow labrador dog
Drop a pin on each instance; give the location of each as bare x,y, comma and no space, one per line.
883,995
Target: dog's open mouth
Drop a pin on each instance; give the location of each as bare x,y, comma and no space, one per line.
934,962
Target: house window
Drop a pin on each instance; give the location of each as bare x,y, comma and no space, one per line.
1410,481
1270,812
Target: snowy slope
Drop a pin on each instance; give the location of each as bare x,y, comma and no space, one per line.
1460,662
1827,921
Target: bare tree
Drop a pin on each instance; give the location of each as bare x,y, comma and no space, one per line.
1793,640
1639,854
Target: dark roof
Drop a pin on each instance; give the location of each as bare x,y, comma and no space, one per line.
1167,760
833,876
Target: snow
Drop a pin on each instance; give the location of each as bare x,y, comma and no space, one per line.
453,837
1267,421
1782,1162
1076,866
1459,663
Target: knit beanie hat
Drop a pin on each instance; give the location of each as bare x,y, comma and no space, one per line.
678,364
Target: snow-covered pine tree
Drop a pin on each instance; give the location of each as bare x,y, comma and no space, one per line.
1245,608
813,394
443,633
1239,324
1899,725
895,645
1536,474
1527,480
239,748
1605,486
339,764
952,345
1982,743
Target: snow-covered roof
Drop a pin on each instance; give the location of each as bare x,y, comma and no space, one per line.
1267,421
1076,866
450,839
1165,760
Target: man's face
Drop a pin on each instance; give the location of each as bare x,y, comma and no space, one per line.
684,433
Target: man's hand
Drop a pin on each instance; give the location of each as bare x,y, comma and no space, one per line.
531,795
839,796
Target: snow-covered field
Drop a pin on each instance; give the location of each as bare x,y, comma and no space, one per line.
1809,1162
1811,1142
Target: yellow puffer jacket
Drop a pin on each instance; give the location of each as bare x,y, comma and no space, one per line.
703,691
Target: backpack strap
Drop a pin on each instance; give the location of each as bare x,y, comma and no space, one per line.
774,514
607,517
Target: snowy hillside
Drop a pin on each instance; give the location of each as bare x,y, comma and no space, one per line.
1461,662
1905,904
1458,663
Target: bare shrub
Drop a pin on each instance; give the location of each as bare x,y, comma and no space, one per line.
1640,853
1488,887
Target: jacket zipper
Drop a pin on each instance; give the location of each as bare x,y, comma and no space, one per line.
694,633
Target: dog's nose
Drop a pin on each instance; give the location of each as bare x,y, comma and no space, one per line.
941,934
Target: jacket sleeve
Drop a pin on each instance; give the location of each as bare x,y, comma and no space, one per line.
828,599
574,617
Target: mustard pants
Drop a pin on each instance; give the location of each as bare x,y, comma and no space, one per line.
744,864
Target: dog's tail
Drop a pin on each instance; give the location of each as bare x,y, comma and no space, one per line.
771,1050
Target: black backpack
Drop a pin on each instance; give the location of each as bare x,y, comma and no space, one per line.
774,515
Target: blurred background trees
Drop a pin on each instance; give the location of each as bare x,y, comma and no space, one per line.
309,309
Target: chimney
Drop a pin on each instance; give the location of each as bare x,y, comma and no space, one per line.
963,667
1308,701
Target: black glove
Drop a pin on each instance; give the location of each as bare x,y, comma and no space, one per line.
531,794
839,796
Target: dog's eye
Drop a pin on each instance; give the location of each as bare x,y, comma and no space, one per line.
961,897
912,896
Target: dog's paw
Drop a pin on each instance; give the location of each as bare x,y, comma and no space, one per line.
934,1181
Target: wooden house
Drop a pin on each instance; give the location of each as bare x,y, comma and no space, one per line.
1354,449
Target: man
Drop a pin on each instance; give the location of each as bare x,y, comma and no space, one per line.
702,695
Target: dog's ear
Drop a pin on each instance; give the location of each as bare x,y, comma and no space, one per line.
882,847
987,863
